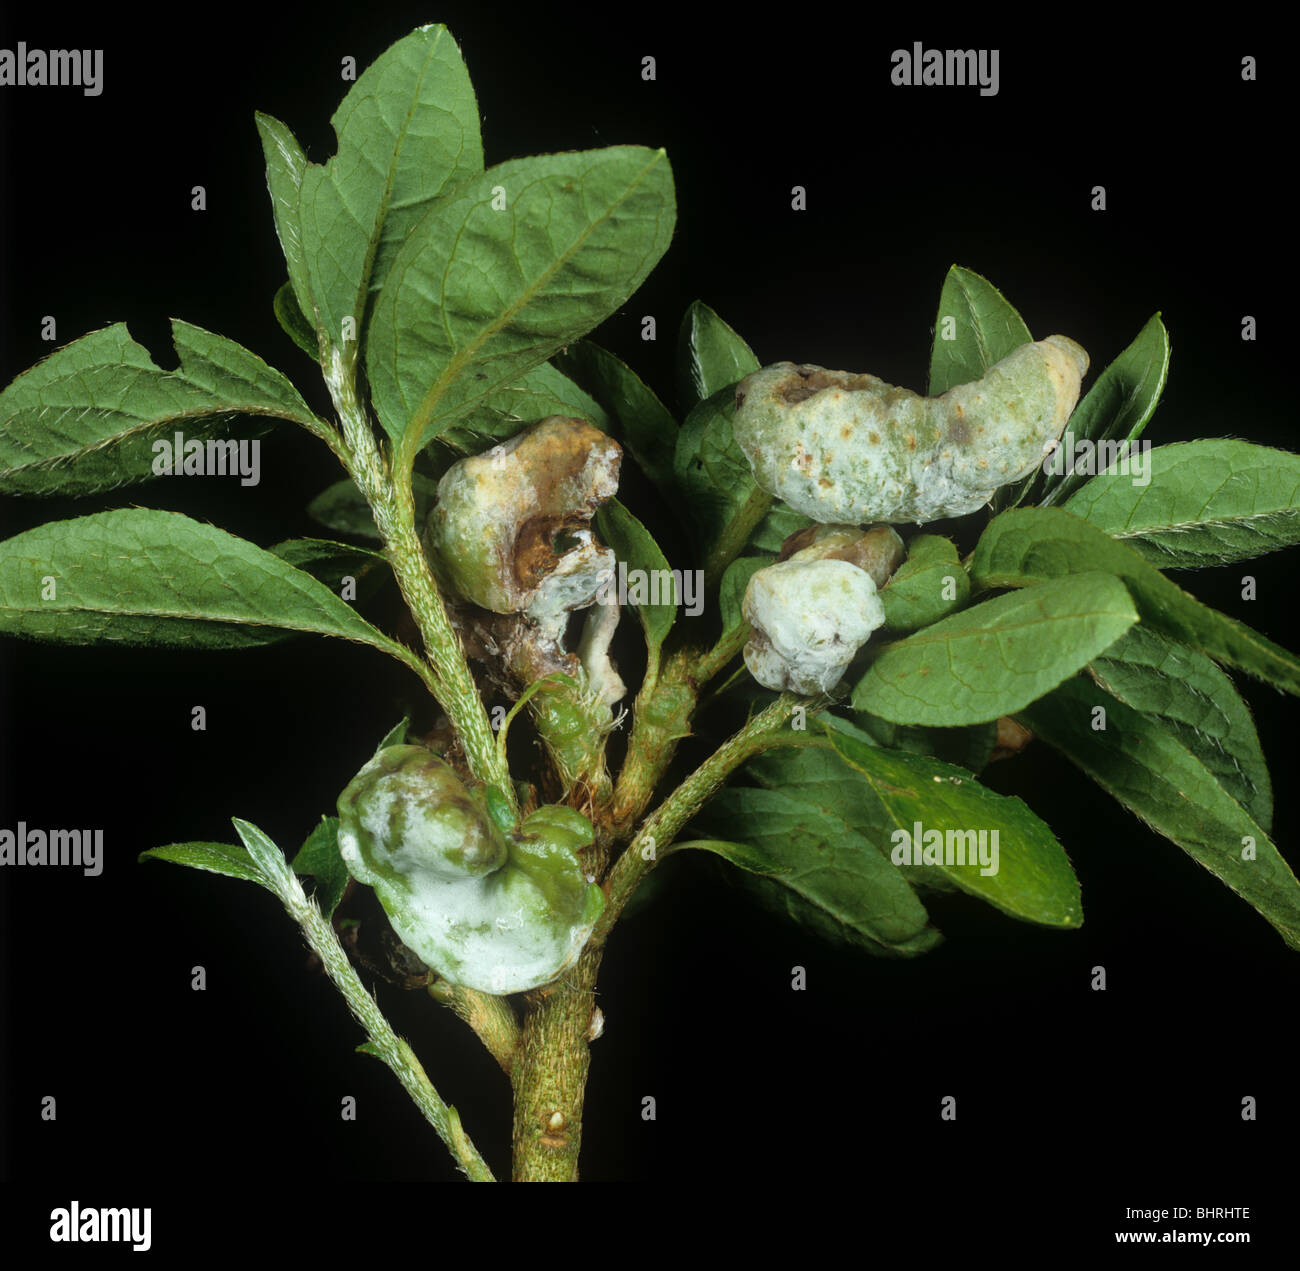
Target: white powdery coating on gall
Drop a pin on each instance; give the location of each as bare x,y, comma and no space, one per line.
852,448
809,618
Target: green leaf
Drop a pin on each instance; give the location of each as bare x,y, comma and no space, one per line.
292,323
268,858
997,656
408,131
1119,403
714,475
1203,503
641,422
635,548
1029,875
332,562
285,165
87,417
506,270
731,591
710,356
216,858
779,523
395,736
714,480
830,878
343,508
985,328
1196,703
319,857
1029,545
742,855
158,578
543,392
1160,780
918,593
968,747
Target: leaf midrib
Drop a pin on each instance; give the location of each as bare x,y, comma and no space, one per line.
425,412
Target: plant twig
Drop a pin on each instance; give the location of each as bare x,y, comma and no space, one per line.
392,505
492,1018
384,1044
675,812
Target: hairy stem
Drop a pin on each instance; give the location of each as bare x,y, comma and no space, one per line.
392,505
492,1018
661,720
660,828
384,1044
550,1076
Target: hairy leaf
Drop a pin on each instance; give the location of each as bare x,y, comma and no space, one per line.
332,562
969,746
1026,546
215,858
1204,503
506,270
828,877
1188,695
710,356
930,818
637,418
635,547
997,656
731,591
158,578
716,483
1160,780
408,131
319,857
88,416
930,584
1118,405
292,323
285,165
544,391
983,326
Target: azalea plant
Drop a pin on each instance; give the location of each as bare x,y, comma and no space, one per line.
861,669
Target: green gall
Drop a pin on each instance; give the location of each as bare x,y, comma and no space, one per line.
851,449
490,908
808,618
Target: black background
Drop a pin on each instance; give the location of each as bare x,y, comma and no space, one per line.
1071,1104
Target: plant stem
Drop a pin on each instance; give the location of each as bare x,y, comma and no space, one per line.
675,812
492,1018
384,1044
393,507
661,719
550,1076
735,536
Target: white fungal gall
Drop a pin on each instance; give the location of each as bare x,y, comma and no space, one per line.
848,448
808,618
511,528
